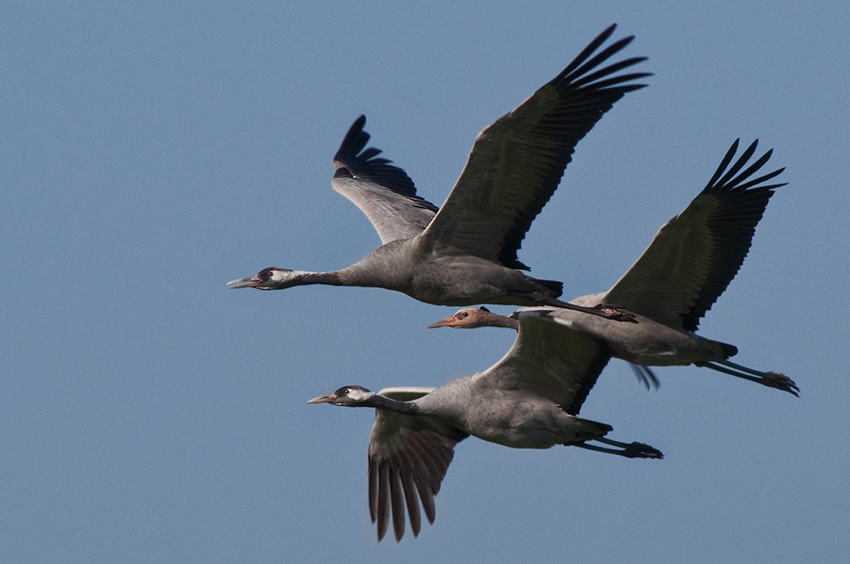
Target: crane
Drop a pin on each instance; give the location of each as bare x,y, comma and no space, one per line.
528,399
471,318
466,252
689,263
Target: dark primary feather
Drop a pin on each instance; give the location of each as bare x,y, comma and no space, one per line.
382,191
351,162
695,255
740,206
517,162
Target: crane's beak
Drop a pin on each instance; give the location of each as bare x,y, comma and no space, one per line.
323,399
447,322
249,282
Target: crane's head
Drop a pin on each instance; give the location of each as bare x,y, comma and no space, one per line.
267,279
348,396
466,318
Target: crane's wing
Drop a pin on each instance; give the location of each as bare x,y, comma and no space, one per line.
382,191
517,162
408,458
695,255
551,361
644,374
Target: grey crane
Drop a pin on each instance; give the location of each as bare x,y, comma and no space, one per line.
529,399
689,263
466,253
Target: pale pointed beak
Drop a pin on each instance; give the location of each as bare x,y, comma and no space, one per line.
447,322
322,399
248,282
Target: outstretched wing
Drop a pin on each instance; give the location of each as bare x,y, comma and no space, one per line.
695,255
517,162
408,459
551,361
382,191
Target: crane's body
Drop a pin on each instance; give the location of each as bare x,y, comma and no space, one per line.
441,276
465,253
512,418
648,342
529,399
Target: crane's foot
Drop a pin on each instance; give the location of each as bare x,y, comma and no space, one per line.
641,450
780,381
770,379
615,313
629,450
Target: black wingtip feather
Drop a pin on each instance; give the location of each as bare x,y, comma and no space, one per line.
724,180
589,98
600,39
740,206
354,160
603,55
739,164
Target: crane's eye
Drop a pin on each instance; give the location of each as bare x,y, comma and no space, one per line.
463,314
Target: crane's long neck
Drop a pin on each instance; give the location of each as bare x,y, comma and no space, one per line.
281,278
383,402
389,266
490,319
333,278
363,274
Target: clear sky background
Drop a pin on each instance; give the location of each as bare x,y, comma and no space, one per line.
151,152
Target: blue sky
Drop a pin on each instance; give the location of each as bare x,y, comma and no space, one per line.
152,153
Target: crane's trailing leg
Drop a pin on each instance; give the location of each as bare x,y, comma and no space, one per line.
629,450
770,379
616,312
602,310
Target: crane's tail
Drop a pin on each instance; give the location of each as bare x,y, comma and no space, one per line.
587,430
556,288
